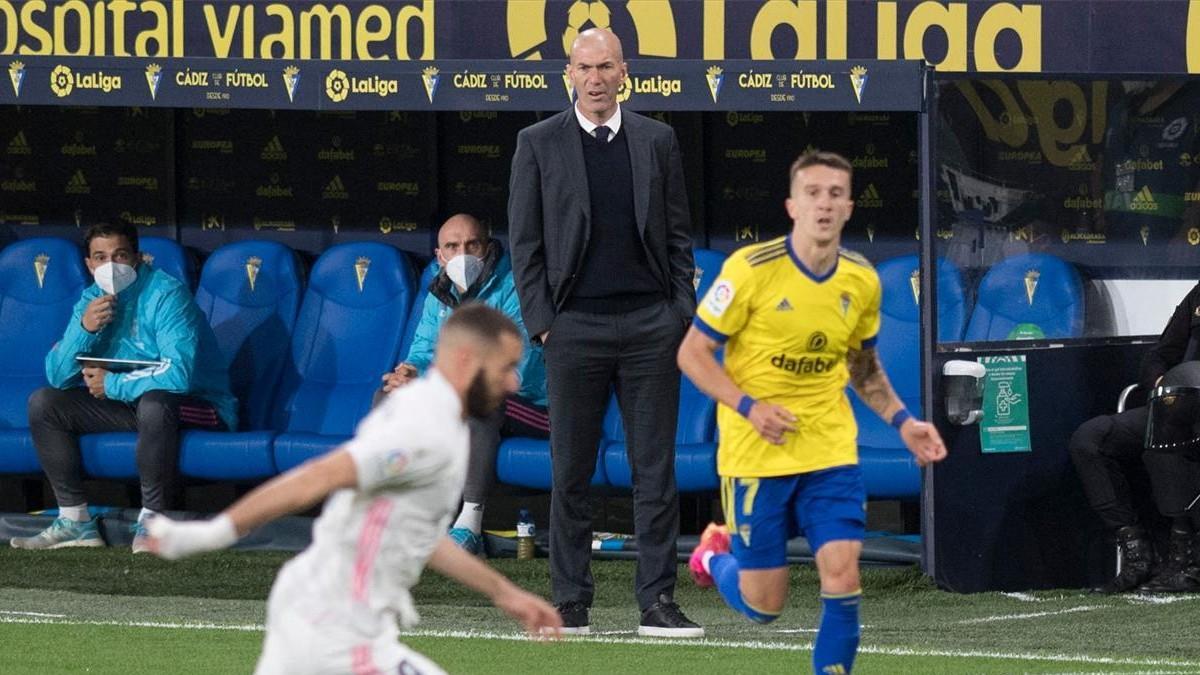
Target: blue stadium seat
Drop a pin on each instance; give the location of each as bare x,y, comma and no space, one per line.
888,468
250,293
348,333
414,316
40,282
708,266
1025,296
169,256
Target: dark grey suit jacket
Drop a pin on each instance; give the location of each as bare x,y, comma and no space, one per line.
549,213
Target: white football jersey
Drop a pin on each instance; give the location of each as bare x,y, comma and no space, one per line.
371,543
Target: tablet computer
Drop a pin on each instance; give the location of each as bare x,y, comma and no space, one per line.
115,365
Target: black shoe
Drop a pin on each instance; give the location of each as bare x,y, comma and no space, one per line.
1181,572
665,619
574,617
1137,561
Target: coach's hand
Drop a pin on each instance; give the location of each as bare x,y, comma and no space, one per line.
99,313
93,377
923,441
535,614
771,421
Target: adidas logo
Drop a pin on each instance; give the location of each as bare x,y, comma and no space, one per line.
783,306
335,189
274,151
869,199
1144,200
18,145
78,185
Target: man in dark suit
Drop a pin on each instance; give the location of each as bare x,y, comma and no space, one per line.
601,248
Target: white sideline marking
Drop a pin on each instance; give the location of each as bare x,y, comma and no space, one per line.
1143,598
190,625
49,616
1030,615
702,642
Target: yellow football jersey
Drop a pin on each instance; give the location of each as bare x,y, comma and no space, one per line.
786,334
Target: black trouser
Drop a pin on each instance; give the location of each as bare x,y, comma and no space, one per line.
587,356
1104,449
57,417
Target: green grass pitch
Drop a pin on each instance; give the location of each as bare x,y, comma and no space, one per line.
105,611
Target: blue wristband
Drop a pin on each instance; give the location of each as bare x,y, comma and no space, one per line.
902,415
745,405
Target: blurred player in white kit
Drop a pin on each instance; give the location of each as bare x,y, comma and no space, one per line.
392,490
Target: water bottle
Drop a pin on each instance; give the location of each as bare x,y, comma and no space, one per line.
525,531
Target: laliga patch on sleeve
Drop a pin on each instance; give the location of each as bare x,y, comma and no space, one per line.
394,463
719,297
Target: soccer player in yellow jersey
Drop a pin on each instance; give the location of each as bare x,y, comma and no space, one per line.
798,317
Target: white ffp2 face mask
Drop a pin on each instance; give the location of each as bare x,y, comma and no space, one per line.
464,270
114,277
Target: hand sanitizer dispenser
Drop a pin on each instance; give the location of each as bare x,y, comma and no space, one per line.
963,383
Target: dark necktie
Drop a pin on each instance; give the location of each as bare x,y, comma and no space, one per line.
602,133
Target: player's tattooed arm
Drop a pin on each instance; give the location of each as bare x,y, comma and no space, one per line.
871,383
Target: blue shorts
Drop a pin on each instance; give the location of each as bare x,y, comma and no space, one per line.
762,514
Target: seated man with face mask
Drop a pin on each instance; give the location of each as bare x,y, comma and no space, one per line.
476,267
133,313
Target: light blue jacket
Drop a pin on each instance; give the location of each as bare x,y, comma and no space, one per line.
155,320
497,291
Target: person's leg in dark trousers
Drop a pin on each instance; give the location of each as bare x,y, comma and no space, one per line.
647,385
581,360
1103,450
57,418
160,416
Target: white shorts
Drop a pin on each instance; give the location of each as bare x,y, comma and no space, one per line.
304,637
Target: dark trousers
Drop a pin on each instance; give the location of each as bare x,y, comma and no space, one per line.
1105,449
57,417
587,356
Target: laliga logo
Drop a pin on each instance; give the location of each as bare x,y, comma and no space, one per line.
337,86
61,81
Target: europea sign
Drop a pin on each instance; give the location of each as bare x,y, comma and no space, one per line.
975,35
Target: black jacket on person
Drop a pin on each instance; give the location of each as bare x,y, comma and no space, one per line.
1179,342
